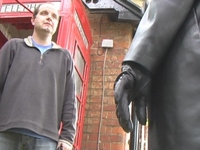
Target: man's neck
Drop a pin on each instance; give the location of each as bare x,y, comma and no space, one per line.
42,39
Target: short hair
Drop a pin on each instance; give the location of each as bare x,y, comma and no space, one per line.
36,10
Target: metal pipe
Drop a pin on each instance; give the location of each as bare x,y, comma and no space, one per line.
134,144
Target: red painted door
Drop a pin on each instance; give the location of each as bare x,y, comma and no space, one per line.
74,34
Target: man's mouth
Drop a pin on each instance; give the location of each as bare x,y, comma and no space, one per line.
48,24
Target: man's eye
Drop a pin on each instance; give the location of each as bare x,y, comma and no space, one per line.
55,16
44,13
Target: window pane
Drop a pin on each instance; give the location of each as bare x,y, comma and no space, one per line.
79,83
79,61
78,106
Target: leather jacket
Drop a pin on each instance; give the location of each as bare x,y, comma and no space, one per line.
167,43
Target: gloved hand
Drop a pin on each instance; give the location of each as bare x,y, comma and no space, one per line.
131,85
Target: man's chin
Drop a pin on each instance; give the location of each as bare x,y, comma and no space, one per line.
48,30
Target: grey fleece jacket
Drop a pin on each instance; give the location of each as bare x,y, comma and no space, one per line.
37,91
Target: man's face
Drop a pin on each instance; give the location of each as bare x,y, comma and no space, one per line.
46,19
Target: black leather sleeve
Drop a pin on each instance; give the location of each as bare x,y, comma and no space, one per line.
156,31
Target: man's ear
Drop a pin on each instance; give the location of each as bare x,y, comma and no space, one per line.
32,21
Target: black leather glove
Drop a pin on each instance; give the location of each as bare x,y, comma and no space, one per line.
133,84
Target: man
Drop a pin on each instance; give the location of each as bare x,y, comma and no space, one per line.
37,89
162,69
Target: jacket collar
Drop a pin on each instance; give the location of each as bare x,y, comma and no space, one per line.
29,42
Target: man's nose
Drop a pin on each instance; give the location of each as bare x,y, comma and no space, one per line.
49,17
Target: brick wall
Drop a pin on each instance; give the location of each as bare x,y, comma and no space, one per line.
111,136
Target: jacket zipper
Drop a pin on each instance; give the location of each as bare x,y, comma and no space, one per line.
41,57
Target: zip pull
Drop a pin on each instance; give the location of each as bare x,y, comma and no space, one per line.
41,57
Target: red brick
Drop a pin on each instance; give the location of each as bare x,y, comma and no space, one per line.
117,146
112,136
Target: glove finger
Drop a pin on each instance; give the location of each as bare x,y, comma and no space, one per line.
123,114
118,90
141,110
120,86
